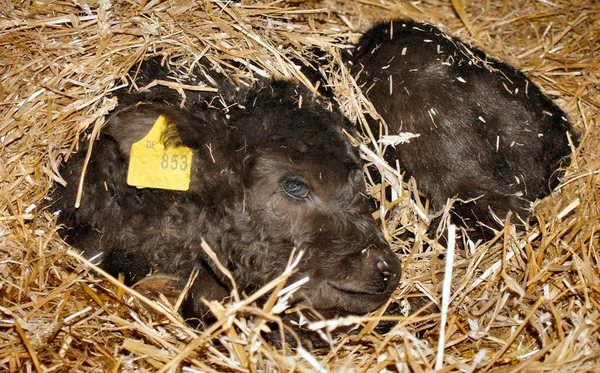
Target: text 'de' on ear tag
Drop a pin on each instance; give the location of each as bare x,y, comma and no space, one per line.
152,165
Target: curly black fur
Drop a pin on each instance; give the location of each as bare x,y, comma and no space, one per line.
237,201
485,129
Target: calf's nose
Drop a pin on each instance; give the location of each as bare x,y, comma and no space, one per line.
387,270
389,266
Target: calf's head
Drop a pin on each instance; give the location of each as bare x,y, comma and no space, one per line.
305,189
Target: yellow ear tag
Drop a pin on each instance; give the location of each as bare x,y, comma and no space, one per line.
151,165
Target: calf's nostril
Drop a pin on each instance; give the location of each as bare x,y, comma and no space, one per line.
386,269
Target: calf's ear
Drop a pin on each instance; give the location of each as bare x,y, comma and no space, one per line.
204,131
130,125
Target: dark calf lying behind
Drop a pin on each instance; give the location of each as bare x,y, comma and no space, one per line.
268,177
486,131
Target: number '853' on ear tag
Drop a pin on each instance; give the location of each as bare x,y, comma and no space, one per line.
152,165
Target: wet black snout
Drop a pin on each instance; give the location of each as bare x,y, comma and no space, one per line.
390,268
387,270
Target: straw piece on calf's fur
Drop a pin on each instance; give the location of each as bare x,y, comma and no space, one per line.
486,131
273,174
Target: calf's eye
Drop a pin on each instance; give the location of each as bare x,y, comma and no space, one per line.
295,189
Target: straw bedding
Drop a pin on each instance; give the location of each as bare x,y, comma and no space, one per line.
521,302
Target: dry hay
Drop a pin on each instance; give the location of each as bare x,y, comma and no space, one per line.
522,302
